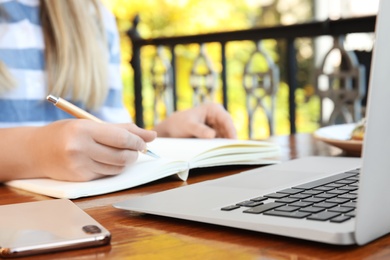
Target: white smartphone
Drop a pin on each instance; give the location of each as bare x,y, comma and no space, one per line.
47,226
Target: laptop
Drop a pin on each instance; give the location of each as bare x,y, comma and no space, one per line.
335,200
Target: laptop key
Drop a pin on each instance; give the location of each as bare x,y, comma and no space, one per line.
355,178
231,207
276,195
350,204
335,185
312,192
249,203
323,188
325,205
351,214
312,209
323,216
349,188
286,200
340,209
295,214
301,204
338,192
259,199
337,200
340,219
290,191
263,208
326,195
313,199
300,196
346,181
287,208
348,196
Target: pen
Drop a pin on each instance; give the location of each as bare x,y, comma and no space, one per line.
79,113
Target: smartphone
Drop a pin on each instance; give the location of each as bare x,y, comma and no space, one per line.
47,226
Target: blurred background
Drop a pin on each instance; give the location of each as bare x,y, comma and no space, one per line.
169,18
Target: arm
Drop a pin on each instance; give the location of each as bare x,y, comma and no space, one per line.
205,121
73,150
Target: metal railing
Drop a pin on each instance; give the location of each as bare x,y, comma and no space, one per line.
289,34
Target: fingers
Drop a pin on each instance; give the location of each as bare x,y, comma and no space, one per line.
202,131
112,156
146,135
226,129
94,160
102,169
206,121
220,120
90,171
121,138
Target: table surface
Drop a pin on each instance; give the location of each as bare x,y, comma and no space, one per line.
143,236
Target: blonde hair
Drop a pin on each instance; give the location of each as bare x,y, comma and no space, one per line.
76,52
6,80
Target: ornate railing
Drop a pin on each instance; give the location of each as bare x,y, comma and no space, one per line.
343,86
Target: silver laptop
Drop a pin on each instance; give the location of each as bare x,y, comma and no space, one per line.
334,200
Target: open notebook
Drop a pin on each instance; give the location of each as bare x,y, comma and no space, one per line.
178,156
335,200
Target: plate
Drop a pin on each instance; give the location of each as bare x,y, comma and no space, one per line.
339,136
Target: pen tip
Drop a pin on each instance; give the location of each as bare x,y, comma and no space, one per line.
150,153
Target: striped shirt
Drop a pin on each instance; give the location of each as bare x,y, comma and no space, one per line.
22,51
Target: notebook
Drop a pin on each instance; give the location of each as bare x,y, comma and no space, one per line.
365,215
177,157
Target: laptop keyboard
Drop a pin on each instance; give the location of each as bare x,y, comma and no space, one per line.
329,199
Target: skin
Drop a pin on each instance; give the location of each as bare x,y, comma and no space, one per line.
205,121
83,150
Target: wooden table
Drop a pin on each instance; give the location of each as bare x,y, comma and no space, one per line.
142,236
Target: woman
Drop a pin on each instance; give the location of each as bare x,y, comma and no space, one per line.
71,49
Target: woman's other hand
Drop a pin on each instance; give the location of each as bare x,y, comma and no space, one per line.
205,121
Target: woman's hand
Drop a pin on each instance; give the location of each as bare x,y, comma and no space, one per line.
205,121
75,150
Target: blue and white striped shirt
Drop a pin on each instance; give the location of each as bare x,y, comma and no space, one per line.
22,51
